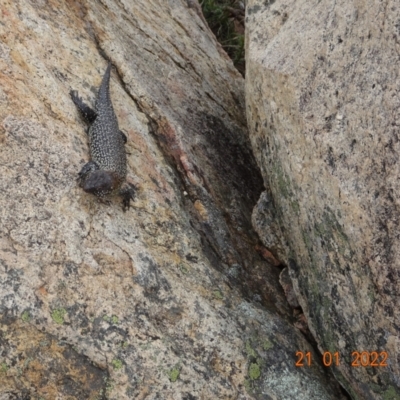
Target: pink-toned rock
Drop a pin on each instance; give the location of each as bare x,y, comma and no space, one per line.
323,105
158,302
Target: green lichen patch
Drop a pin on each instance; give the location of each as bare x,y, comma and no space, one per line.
250,351
3,367
391,394
112,320
108,388
267,345
218,294
26,316
117,364
184,268
58,315
254,371
248,384
174,373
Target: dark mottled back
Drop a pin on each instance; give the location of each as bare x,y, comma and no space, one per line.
106,142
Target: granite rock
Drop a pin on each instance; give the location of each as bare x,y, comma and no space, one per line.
323,106
171,299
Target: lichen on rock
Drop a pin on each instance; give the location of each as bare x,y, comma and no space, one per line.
323,106
117,302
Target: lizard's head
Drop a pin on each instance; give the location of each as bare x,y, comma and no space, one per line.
100,183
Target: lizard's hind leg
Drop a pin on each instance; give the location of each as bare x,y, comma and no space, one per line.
127,192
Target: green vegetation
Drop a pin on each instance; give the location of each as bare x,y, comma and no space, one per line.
226,20
109,387
248,384
250,351
117,364
58,315
184,269
173,374
25,316
112,320
267,345
255,362
254,371
390,394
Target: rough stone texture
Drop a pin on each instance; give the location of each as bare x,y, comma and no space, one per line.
171,300
287,285
323,104
266,222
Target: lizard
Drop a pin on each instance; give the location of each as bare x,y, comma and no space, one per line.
105,174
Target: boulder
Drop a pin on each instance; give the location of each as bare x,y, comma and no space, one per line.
323,106
170,300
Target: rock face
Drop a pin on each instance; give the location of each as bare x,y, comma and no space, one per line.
323,104
171,300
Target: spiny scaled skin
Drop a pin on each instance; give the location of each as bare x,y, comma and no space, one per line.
105,174
107,147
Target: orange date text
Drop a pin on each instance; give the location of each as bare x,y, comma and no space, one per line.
369,359
358,359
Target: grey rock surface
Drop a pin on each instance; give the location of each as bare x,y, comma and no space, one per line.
323,106
157,302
